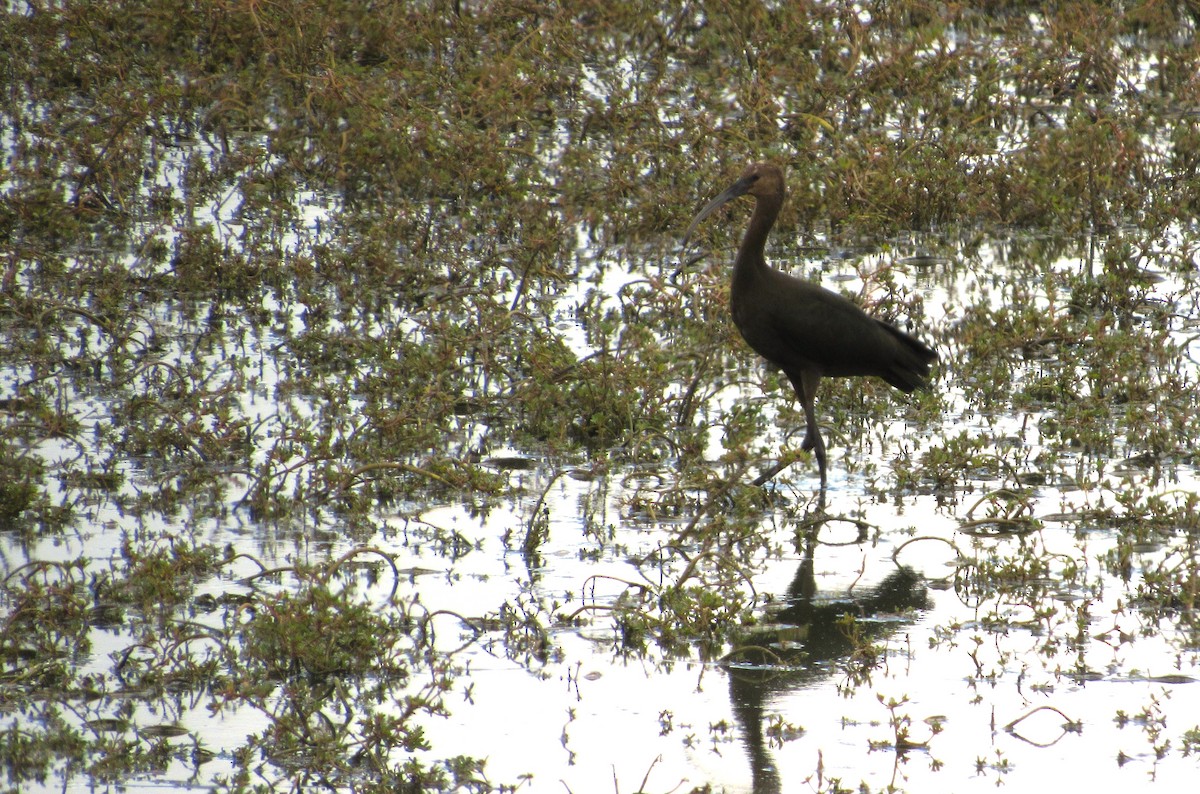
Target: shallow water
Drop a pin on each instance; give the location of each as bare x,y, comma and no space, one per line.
1020,655
364,427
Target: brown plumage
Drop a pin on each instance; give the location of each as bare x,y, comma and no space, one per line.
804,329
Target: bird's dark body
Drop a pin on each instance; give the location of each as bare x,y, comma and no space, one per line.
798,325
804,329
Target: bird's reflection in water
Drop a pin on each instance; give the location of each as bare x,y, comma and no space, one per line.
806,636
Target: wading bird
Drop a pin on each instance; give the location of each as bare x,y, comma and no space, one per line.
804,329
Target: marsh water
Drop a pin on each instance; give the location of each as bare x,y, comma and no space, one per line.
366,428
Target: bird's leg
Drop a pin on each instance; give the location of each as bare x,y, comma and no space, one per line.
805,385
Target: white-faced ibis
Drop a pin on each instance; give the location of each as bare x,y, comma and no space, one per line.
804,329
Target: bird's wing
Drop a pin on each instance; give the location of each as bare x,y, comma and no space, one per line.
816,327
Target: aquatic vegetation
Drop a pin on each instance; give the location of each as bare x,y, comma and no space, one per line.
347,357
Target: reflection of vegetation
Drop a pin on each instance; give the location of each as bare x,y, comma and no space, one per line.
300,262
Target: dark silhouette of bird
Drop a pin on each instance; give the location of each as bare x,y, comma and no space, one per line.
804,329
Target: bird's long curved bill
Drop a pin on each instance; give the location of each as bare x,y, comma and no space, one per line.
738,188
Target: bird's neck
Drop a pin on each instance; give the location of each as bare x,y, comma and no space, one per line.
751,259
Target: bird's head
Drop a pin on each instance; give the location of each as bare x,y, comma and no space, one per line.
761,180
